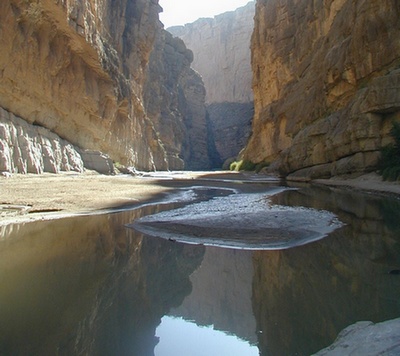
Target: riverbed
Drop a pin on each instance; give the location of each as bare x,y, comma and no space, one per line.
295,265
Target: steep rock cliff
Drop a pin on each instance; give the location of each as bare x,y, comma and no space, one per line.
326,84
28,148
77,68
174,97
221,48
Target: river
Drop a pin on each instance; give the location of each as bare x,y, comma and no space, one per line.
107,285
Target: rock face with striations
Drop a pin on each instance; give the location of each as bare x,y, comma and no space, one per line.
174,97
34,149
78,69
221,48
326,84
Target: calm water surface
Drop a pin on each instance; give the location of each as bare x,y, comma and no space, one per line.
92,286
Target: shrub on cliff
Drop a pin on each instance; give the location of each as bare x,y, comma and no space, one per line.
245,165
389,165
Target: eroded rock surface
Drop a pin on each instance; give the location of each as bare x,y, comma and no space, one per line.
221,48
326,84
175,103
25,148
77,68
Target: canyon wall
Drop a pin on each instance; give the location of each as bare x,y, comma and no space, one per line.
27,148
174,97
221,48
79,68
326,85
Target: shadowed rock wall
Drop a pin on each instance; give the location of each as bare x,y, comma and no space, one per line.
326,84
221,48
175,102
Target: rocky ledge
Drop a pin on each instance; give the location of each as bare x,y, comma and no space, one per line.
367,339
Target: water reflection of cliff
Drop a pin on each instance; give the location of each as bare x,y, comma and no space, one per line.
303,297
221,294
88,286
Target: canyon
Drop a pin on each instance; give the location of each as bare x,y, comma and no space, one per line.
81,70
101,83
222,56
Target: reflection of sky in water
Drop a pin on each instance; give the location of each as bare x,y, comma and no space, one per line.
87,285
181,337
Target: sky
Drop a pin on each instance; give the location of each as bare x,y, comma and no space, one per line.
179,12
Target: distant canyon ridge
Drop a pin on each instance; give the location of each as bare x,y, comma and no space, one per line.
222,56
310,88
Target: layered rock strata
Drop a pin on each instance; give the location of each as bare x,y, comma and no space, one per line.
222,57
79,68
26,148
326,85
174,97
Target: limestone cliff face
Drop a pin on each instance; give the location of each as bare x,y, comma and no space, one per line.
221,48
26,148
77,68
326,84
174,97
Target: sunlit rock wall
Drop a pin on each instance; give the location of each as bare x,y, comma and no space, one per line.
326,84
77,68
25,148
221,48
174,97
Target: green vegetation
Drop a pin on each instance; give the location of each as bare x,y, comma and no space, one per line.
244,165
389,165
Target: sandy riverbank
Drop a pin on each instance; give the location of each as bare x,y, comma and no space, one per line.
49,196
32,197
371,183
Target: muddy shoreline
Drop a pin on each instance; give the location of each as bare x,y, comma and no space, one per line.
25,198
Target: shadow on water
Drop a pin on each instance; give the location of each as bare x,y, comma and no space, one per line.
303,297
89,285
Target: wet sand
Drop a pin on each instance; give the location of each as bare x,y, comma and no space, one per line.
32,197
49,196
